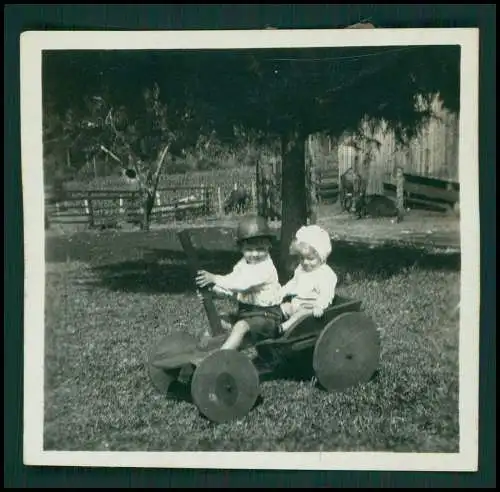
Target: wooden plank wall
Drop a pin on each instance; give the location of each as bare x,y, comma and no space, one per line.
433,154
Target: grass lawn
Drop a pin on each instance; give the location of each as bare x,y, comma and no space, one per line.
111,296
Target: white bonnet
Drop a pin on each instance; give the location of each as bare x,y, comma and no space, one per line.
317,238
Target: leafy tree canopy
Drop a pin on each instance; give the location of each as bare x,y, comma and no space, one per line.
273,91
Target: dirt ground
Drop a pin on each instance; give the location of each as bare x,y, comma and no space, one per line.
419,228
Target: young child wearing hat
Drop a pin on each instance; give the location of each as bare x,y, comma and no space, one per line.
312,287
253,282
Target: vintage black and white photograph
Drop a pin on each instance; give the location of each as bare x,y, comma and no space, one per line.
258,245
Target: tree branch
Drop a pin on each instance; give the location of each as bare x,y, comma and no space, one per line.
111,154
159,166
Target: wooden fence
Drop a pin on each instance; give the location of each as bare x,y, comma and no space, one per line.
433,154
420,191
106,208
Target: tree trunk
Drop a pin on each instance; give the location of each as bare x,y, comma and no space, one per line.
400,201
277,173
313,201
151,186
259,186
311,161
293,195
149,201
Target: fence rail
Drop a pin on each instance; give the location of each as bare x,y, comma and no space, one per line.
107,207
420,191
110,205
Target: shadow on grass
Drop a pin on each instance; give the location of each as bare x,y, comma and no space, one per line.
166,271
300,370
161,272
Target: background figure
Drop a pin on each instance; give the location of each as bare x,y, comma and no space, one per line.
238,201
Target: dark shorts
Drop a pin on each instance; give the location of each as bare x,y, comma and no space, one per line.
264,322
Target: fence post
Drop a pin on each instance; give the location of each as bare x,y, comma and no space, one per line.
258,185
318,176
220,208
400,202
122,211
90,211
254,196
267,198
313,202
145,218
205,190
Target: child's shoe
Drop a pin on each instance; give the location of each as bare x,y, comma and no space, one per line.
185,374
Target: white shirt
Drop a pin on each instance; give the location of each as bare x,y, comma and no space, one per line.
315,288
255,284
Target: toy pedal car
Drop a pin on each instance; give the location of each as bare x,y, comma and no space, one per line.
342,348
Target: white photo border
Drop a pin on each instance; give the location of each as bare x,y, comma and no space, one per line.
33,43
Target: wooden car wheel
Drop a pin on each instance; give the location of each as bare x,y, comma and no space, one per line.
347,352
225,386
168,347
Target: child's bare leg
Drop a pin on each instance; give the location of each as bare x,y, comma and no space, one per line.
297,316
240,329
226,326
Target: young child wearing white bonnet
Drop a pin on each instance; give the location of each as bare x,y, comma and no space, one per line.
312,287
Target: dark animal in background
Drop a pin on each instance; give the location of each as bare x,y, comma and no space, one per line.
354,198
238,201
352,191
376,206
